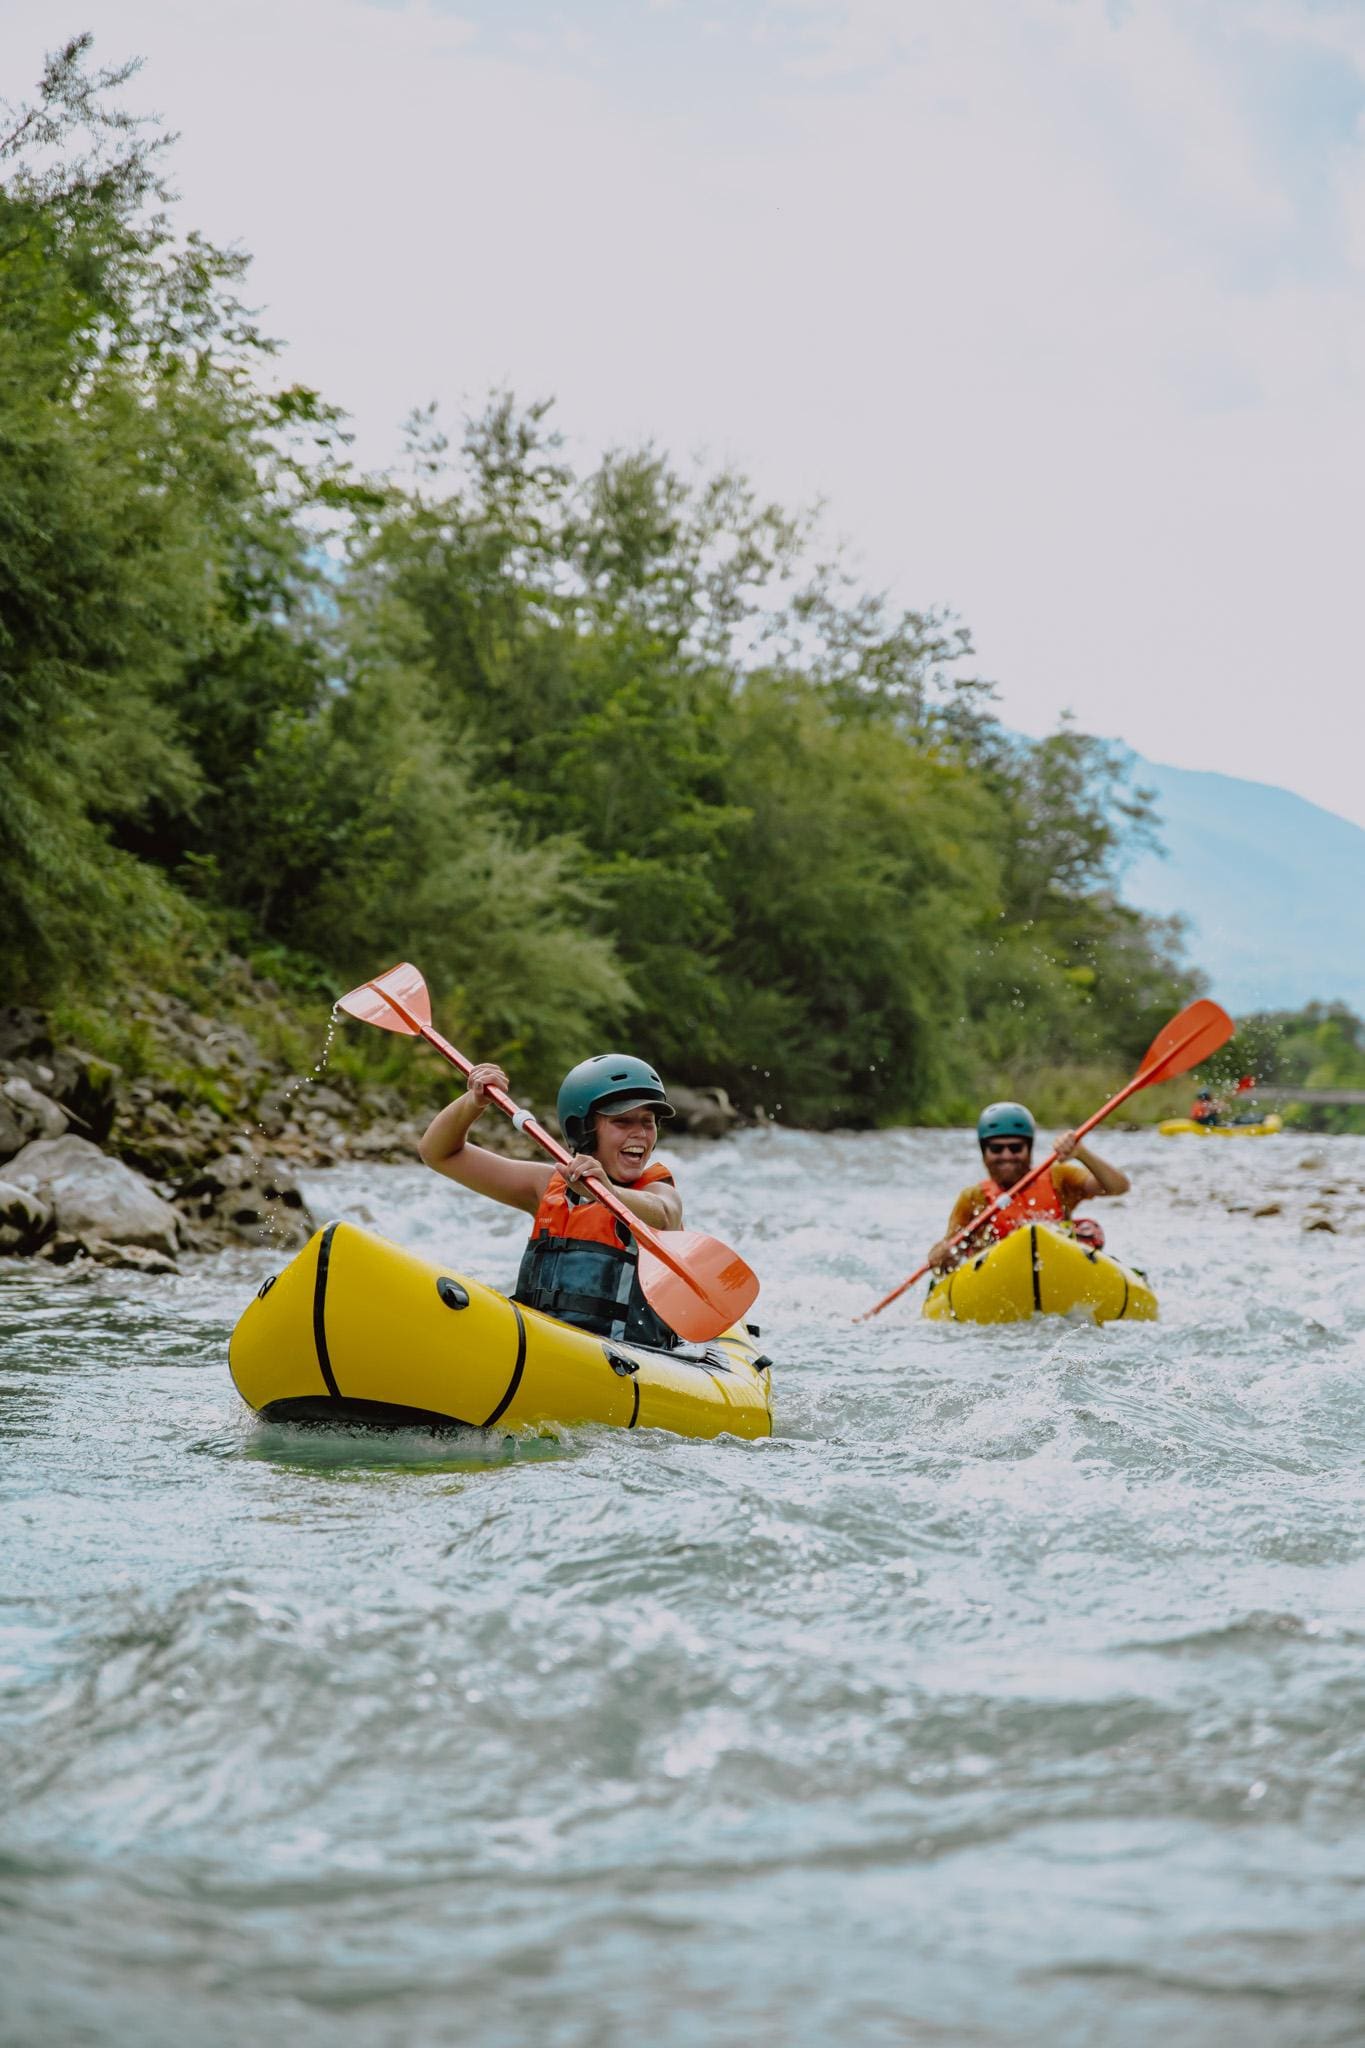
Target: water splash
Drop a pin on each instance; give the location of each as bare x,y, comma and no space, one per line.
258,1138
314,1073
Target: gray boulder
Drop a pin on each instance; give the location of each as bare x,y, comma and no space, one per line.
132,1258
30,1112
24,1218
87,1088
94,1197
13,1136
703,1112
256,1201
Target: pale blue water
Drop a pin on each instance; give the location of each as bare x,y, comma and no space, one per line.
1014,1692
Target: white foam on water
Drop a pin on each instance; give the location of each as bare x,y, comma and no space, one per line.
1010,1693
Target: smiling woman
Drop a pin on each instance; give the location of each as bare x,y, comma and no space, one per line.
581,1264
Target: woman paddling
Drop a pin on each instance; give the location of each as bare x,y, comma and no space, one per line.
581,1264
1005,1132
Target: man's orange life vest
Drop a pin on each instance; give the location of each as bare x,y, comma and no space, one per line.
1037,1204
582,1266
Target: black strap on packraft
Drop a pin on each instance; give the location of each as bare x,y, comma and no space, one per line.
593,1286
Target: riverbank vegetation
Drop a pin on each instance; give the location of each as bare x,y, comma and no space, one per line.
1321,1046
615,751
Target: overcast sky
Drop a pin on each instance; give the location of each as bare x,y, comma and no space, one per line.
1060,304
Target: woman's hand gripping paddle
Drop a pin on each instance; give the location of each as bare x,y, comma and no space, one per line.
696,1284
1190,1037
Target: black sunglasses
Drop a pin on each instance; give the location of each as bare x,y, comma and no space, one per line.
1017,1145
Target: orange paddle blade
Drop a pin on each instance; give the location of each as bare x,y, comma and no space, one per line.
1189,1038
717,1289
697,1285
368,1001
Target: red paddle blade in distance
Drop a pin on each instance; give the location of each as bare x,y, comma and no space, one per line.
718,1290
1189,1038
368,1001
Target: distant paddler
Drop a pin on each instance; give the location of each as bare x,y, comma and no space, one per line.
1005,1132
1198,1030
1210,1110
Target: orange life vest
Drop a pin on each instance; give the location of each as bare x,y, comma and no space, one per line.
1038,1203
581,1265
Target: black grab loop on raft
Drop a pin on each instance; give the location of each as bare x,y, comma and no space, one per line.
451,1292
592,1286
620,1363
265,1287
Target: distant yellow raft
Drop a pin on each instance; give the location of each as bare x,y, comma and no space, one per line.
1186,1127
1038,1272
356,1329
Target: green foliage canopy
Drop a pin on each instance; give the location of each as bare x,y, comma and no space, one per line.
617,753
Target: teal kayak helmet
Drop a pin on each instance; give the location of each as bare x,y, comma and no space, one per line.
1004,1120
613,1081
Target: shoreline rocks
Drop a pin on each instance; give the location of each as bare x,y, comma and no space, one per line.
205,1151
703,1112
240,1198
25,1219
93,1197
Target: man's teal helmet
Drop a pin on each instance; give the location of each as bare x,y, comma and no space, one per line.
1005,1120
614,1081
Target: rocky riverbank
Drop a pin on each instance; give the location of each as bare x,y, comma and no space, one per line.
200,1150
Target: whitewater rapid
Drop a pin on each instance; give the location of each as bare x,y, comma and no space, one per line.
1014,1691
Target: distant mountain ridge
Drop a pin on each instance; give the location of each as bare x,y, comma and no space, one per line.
1271,886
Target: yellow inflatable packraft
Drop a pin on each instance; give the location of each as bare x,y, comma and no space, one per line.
1186,1127
357,1329
1036,1271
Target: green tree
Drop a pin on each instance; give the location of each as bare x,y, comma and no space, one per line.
851,886
1319,1046
147,541
618,750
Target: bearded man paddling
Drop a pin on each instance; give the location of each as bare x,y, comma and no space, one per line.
1005,1132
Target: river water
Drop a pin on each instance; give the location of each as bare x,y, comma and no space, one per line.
1014,1691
